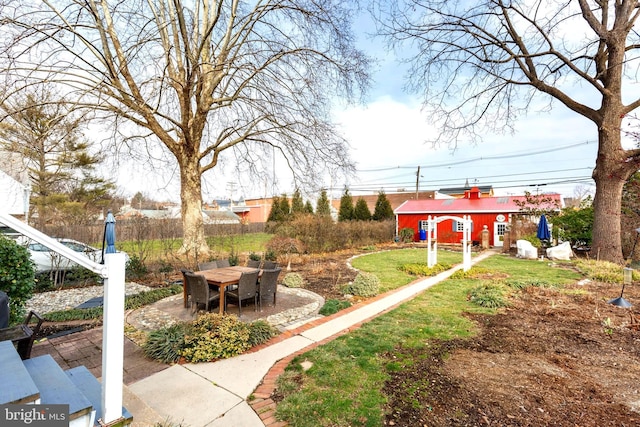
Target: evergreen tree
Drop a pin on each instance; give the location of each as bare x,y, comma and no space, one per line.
361,211
322,205
48,135
383,210
276,214
297,205
346,207
285,208
308,207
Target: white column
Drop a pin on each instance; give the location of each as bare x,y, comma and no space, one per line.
466,242
432,242
113,338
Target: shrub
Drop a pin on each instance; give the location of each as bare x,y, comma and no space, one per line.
214,336
17,277
135,268
421,269
260,331
320,234
333,306
472,273
603,271
293,280
254,256
533,239
234,259
406,235
364,285
165,344
522,284
270,255
488,295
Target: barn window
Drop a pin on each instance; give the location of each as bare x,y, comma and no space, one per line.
459,226
423,224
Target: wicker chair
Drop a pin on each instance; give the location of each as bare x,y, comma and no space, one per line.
222,263
207,265
200,291
246,290
269,265
188,299
268,285
253,263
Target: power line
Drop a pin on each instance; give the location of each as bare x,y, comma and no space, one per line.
486,177
476,159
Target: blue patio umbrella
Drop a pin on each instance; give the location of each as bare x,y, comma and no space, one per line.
543,229
109,235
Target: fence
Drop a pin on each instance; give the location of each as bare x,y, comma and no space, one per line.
138,229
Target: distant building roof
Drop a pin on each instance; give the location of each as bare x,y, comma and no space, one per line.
484,189
467,205
222,217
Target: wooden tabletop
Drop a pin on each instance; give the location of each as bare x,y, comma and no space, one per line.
225,276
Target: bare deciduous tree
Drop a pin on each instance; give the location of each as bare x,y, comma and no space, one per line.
200,76
480,63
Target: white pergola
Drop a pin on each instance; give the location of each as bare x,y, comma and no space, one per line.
432,239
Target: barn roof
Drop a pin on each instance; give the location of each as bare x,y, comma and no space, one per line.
501,204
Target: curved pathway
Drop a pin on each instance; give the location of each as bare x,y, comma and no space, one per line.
215,394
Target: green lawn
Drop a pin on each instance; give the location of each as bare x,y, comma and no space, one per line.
221,246
343,386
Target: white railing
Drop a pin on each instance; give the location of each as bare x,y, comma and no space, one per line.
113,272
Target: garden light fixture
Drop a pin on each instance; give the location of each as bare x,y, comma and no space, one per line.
627,275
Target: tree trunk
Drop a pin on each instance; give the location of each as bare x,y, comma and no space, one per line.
610,174
194,244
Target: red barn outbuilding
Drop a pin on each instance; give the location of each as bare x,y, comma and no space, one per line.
493,212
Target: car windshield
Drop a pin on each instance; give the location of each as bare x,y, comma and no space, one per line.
78,247
37,247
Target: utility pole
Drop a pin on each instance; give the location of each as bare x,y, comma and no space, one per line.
417,182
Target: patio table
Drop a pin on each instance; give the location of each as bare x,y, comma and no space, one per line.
223,278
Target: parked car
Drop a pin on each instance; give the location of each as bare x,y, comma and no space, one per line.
47,260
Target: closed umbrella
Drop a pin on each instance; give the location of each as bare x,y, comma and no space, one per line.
543,229
109,235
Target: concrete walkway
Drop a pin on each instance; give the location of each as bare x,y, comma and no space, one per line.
226,393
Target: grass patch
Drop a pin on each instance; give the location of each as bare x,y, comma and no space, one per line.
490,295
604,271
156,250
333,306
387,265
343,386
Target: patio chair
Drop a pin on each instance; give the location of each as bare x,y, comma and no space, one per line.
269,265
23,335
210,265
188,299
246,290
253,263
200,291
223,263
268,285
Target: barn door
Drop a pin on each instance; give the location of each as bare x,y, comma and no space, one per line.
498,233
